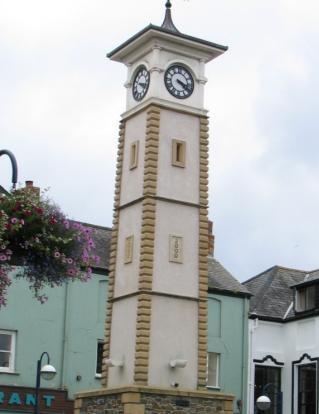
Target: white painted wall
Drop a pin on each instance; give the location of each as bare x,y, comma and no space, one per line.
286,342
157,56
123,333
178,183
132,180
126,280
173,336
170,277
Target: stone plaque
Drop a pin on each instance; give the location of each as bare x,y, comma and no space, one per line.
176,249
128,249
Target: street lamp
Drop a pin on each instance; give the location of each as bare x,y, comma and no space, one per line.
47,372
14,166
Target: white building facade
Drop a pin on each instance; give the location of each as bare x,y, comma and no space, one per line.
284,340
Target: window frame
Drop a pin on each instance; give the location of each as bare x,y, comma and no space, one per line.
100,342
134,150
217,376
12,352
178,153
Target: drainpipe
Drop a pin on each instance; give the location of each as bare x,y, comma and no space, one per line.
64,335
251,382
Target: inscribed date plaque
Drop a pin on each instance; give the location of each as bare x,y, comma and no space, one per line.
175,249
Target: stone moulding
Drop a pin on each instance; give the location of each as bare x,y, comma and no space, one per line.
113,251
144,302
203,253
152,400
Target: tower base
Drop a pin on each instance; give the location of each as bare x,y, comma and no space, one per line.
149,400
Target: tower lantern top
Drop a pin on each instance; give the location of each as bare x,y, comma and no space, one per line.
167,32
168,22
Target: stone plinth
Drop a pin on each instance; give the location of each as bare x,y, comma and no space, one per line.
148,400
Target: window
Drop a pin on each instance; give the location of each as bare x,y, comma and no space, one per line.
178,153
99,358
268,382
307,385
213,369
307,298
134,155
7,351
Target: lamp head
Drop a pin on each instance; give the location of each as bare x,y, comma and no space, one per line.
263,403
48,372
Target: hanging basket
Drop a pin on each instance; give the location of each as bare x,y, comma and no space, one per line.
41,244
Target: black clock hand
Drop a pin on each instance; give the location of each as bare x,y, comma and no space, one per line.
184,85
142,84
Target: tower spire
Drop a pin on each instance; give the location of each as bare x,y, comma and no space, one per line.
168,22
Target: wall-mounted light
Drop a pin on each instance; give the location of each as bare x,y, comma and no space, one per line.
178,363
113,362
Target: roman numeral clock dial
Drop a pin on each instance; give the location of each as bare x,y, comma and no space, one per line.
141,83
179,82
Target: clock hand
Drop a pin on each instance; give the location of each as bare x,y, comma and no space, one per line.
184,85
142,84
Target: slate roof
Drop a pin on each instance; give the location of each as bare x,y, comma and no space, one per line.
273,294
102,239
219,278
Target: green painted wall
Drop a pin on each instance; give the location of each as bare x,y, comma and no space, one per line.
228,335
67,326
70,323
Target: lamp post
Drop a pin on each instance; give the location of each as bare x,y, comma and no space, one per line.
47,372
14,166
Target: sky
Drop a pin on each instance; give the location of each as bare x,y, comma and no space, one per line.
61,101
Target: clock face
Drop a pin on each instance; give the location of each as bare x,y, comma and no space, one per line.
141,83
179,82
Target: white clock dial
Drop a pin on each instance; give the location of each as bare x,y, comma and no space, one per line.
179,82
141,83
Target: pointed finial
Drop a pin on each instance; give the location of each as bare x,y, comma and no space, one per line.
168,22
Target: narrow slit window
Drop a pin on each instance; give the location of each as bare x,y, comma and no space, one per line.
213,360
178,153
134,155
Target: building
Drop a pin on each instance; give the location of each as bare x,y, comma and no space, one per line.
284,339
70,327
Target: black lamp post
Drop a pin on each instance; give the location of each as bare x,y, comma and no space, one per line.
47,372
14,166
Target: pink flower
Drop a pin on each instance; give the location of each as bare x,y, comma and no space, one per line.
22,222
66,224
14,220
69,260
3,257
57,255
71,272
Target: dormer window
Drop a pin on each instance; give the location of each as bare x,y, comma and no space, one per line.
307,298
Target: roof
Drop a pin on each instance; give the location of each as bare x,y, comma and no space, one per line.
102,239
272,291
166,30
160,29
220,279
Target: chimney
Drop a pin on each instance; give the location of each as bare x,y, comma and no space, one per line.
29,187
211,239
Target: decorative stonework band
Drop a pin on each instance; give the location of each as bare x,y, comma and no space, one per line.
144,303
202,254
113,251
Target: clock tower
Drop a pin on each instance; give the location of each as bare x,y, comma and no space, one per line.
156,328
